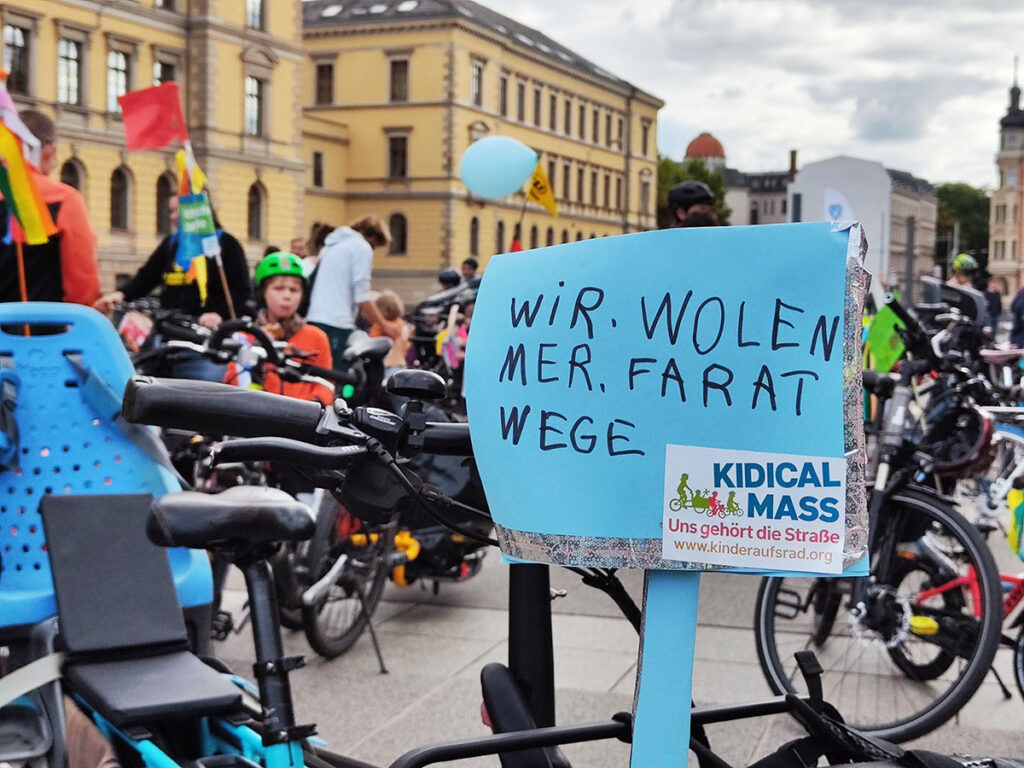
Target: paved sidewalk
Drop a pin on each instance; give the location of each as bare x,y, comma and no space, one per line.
435,645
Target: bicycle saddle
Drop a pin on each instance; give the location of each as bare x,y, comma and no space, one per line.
880,384
240,515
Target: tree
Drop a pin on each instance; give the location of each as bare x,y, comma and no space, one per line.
959,202
671,173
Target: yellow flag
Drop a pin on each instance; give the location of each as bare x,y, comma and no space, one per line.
540,190
197,273
198,177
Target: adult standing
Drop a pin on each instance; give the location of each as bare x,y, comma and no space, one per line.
993,305
341,290
181,293
64,268
692,204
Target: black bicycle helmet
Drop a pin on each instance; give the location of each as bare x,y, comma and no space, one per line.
689,193
449,278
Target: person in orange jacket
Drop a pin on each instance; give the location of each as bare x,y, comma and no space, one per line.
281,283
64,268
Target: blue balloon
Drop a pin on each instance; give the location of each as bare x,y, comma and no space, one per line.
496,166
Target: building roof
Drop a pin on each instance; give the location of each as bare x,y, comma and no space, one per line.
910,182
320,14
765,182
1014,117
705,145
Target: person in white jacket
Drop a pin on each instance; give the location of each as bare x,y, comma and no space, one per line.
341,286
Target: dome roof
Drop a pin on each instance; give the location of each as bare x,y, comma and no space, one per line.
705,145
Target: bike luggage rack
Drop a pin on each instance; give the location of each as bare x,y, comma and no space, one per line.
66,448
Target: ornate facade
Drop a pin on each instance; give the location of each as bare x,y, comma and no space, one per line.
1006,230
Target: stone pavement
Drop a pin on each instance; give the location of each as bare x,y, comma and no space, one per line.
435,645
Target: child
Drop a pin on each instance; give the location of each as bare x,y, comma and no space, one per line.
280,282
392,308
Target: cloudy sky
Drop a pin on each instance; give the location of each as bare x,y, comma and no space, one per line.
918,85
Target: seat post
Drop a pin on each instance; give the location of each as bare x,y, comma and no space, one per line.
271,667
530,652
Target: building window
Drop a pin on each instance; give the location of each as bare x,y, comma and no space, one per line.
16,58
645,194
568,116
622,128
398,159
565,235
71,174
399,76
645,135
579,236
324,83
167,5
163,72
119,194
1011,178
549,239
318,169
553,113
551,176
254,14
164,192
608,129
118,75
474,236
566,172
536,106
1011,141
521,101
69,71
477,83
593,187
1000,253
253,106
503,96
579,185
499,237
1013,248
618,193
755,214
607,190
254,211
597,126
1000,212
534,242
399,227
582,127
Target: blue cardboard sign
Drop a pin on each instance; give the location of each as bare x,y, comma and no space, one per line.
630,394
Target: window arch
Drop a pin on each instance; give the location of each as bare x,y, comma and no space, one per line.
550,238
474,236
533,236
565,235
73,174
164,193
254,208
579,236
120,196
499,237
399,227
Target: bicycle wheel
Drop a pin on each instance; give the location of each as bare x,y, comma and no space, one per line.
904,660
335,622
1018,662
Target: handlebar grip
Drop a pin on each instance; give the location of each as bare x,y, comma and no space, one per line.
213,408
447,438
228,327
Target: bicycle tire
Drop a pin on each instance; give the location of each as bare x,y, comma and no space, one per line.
1018,662
335,622
860,676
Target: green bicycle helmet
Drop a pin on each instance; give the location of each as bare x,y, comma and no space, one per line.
279,263
965,264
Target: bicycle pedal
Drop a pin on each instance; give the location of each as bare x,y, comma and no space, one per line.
924,625
221,626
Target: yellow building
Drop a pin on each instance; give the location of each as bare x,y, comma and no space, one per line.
1006,230
239,66
396,90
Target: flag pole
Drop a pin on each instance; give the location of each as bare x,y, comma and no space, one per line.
190,164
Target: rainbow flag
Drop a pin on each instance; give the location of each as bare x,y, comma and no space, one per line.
20,191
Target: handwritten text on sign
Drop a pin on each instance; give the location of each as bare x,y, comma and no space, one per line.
587,360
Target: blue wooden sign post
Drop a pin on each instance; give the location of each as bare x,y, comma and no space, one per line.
674,401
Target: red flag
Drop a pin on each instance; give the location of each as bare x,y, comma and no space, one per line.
516,246
153,117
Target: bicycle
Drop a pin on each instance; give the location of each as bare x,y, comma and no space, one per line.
917,657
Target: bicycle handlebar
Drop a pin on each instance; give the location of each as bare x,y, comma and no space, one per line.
210,407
